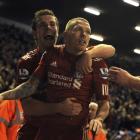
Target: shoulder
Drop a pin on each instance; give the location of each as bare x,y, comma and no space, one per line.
98,61
28,57
59,48
56,50
100,67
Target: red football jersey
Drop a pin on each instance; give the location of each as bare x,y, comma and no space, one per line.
64,81
27,64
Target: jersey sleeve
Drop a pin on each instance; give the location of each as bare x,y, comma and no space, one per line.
101,83
23,72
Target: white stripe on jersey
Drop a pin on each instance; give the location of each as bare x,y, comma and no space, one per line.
104,89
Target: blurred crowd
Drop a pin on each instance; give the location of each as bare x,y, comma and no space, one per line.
14,42
123,122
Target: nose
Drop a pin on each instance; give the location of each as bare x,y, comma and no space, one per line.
83,34
47,27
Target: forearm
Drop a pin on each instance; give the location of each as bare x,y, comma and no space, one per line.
34,107
24,90
103,110
102,50
134,82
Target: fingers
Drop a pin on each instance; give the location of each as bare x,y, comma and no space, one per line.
84,65
76,109
76,112
113,72
115,68
95,125
86,70
72,99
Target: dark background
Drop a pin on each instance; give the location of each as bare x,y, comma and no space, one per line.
116,22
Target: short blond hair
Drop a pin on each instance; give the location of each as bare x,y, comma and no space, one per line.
93,104
74,21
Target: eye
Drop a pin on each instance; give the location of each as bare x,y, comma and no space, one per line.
42,25
88,32
52,24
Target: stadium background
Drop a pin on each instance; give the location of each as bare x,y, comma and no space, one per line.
116,23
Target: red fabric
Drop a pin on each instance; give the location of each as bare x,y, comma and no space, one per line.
88,135
27,64
61,75
61,85
59,133
100,136
25,67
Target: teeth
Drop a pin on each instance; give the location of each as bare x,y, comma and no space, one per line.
49,37
82,41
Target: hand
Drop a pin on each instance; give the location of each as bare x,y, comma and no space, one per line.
69,107
119,76
84,64
95,125
1,97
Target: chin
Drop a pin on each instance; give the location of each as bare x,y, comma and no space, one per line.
50,43
83,48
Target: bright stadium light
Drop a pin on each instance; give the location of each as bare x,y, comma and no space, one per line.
132,2
97,37
92,10
137,51
137,28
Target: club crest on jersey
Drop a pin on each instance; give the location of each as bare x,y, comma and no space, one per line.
77,80
78,75
104,73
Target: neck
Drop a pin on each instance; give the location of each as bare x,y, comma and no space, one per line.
72,51
44,48
41,49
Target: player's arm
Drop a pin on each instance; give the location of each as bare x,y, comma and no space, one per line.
102,94
68,107
103,111
24,90
124,78
29,87
101,50
135,82
23,71
85,62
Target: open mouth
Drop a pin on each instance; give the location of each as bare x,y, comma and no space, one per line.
82,42
49,37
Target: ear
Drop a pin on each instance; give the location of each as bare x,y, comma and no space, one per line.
34,34
65,35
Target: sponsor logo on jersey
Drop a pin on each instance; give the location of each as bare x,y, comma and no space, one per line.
54,64
104,73
77,83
